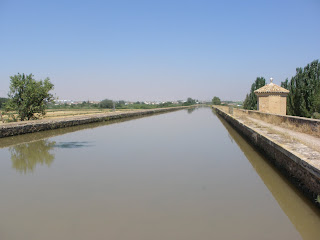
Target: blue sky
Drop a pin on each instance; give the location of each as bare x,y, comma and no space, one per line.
156,50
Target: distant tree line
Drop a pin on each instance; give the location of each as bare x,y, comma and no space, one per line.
190,101
121,104
109,104
304,97
83,105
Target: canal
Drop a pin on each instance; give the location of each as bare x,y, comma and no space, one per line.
180,175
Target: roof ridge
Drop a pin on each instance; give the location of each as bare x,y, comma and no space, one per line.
272,88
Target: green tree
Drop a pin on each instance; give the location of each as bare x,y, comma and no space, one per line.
106,103
189,102
304,97
216,101
2,102
120,104
28,96
251,99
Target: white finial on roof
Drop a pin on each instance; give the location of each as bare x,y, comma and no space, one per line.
271,79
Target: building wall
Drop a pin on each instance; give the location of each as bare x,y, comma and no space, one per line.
283,105
263,104
276,104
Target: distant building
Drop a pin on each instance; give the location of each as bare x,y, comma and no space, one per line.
272,99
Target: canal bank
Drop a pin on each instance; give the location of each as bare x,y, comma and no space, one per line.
298,162
19,128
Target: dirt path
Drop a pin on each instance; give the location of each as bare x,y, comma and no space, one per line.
308,140
65,114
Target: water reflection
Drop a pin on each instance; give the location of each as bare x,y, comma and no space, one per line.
26,156
303,215
191,110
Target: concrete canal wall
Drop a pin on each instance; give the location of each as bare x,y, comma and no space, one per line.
12,129
296,168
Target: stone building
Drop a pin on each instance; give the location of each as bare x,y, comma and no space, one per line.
272,99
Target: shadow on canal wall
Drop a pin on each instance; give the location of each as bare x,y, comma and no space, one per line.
296,169
13,129
287,196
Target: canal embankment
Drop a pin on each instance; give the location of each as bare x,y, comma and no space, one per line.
295,156
19,128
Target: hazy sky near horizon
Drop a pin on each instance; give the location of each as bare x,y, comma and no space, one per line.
156,50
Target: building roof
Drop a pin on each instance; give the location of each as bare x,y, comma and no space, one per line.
271,88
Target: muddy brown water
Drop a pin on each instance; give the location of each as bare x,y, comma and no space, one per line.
179,175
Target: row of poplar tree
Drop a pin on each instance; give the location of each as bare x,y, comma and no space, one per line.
304,97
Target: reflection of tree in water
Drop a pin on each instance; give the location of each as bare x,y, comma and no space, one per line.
26,156
190,110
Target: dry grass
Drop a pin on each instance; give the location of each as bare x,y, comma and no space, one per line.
286,123
69,113
62,113
52,113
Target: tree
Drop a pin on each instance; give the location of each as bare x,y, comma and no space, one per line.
216,101
251,99
3,101
106,103
28,96
190,101
120,104
304,97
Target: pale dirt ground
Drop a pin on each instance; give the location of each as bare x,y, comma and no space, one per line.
56,114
